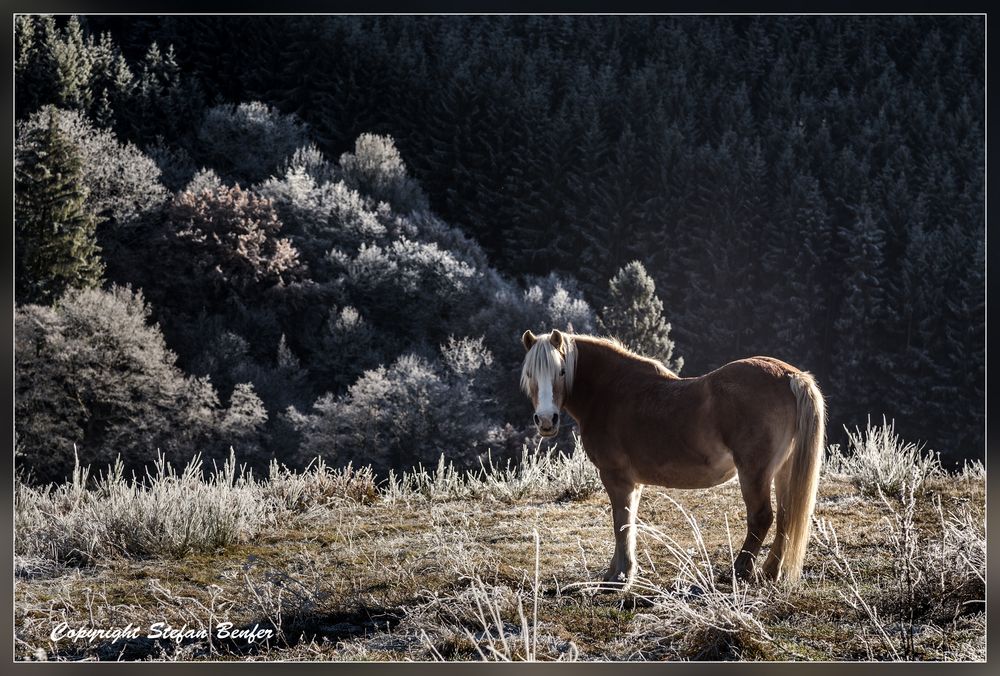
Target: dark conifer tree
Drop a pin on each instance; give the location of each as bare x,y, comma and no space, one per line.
861,319
634,315
55,244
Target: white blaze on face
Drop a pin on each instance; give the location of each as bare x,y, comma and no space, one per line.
546,405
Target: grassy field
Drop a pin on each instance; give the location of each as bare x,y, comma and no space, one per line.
501,565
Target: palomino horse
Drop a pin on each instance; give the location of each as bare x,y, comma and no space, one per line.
759,418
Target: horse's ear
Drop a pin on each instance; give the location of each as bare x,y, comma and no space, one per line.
556,338
528,338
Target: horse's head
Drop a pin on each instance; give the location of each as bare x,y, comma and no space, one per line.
547,376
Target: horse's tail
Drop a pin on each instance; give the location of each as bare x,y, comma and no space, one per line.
802,478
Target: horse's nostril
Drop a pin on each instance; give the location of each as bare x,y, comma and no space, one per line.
538,421
555,418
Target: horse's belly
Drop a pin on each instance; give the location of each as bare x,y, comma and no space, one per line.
679,471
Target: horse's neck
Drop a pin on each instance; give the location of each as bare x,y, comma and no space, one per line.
603,376
595,366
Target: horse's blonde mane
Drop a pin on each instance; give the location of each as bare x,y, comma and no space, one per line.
613,343
544,361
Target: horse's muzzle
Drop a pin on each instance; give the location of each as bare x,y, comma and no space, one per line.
547,425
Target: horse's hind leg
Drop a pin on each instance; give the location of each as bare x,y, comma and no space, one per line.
781,490
624,495
756,489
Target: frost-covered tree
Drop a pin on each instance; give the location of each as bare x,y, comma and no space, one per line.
122,183
310,160
111,82
348,346
551,302
34,72
52,64
376,169
399,416
92,371
241,425
634,315
862,317
71,67
163,100
202,180
223,242
55,246
465,356
177,167
248,141
321,216
413,290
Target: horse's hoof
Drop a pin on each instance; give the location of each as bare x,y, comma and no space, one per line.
614,583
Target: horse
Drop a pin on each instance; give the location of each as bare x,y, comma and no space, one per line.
760,419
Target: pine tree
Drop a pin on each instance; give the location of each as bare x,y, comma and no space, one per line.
73,63
586,182
611,234
28,77
634,315
164,102
35,74
111,81
965,362
859,326
55,243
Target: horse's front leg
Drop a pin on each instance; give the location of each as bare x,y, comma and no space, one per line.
624,494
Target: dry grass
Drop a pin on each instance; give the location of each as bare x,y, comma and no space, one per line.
501,564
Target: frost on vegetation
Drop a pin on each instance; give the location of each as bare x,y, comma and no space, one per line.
877,460
696,611
934,577
171,513
548,474
164,513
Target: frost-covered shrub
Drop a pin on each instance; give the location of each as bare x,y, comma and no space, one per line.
91,371
878,460
310,160
414,290
162,513
248,141
401,415
322,215
222,242
122,183
376,169
318,484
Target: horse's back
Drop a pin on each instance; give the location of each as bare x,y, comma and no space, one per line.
760,365
753,403
751,378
